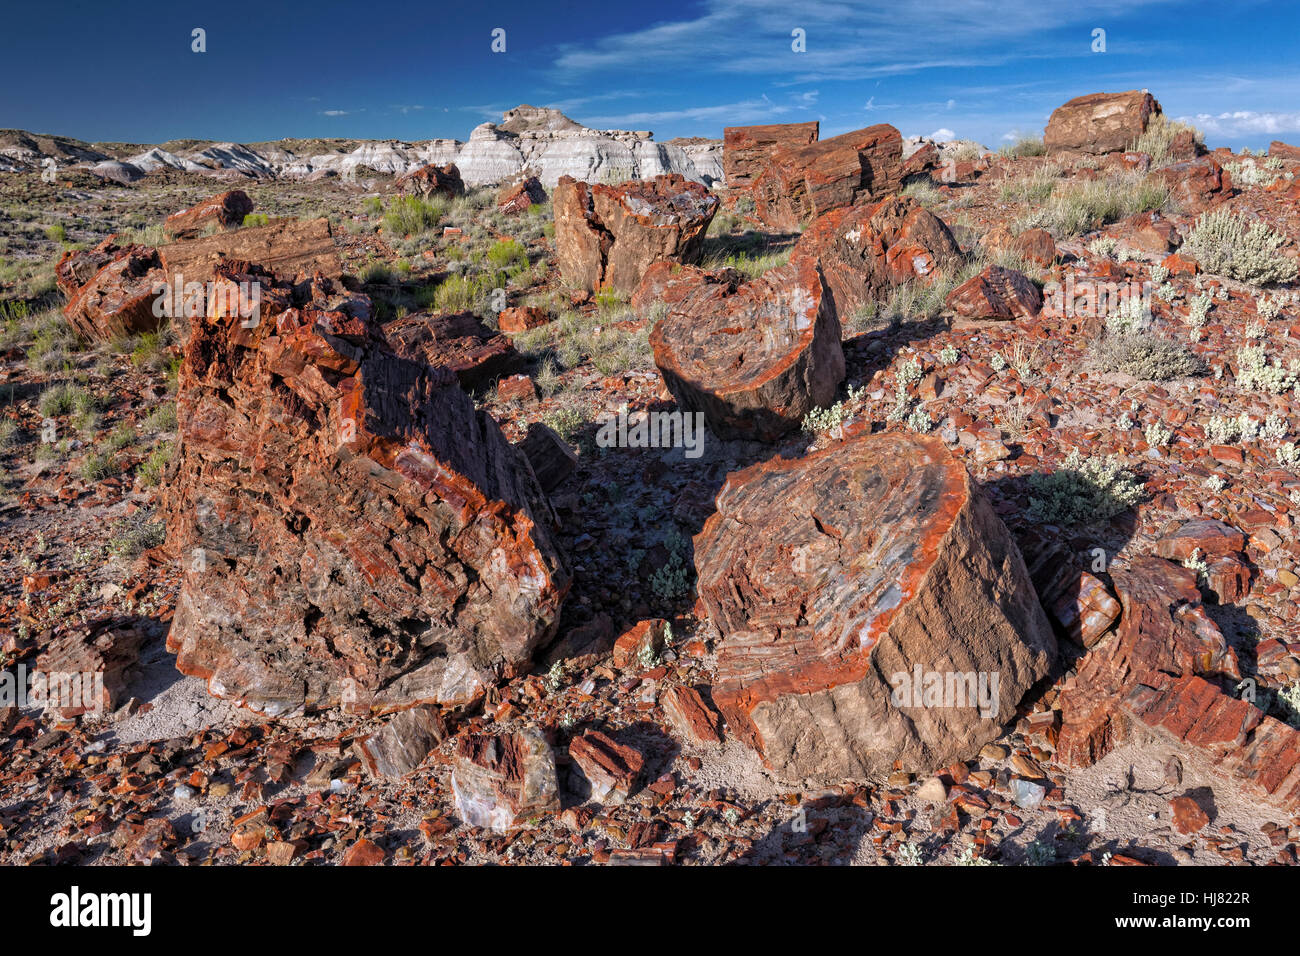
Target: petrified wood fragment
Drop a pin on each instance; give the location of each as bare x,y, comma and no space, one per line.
753,357
352,531
865,251
110,289
457,341
499,782
873,609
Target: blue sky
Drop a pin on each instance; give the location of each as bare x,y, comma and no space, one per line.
412,71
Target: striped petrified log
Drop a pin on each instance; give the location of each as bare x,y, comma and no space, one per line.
753,357
352,530
873,609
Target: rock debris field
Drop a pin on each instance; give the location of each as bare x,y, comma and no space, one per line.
562,497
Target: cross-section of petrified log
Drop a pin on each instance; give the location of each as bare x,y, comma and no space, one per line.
754,357
865,251
873,609
458,341
353,532
607,236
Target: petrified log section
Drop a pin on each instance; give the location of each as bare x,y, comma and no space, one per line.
841,582
224,211
803,182
352,530
754,357
499,782
996,293
516,199
865,251
110,289
286,247
1165,672
432,180
1100,122
607,236
746,150
458,341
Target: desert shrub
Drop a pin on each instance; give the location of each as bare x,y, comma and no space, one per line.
1078,207
256,219
136,534
412,216
1025,146
1084,491
1226,244
924,191
1254,370
462,293
1145,356
1159,136
1035,186
56,233
506,253
151,469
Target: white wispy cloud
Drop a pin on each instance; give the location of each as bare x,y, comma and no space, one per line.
942,135
1244,123
846,39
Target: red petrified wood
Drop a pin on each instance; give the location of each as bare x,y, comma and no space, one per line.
746,150
803,182
111,289
865,251
873,609
753,357
1165,670
607,236
225,211
351,530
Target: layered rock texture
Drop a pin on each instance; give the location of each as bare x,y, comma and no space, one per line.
753,357
607,236
1100,122
111,289
528,141
799,183
353,531
866,593
746,150
1167,672
866,251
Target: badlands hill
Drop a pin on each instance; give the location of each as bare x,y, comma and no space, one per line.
540,141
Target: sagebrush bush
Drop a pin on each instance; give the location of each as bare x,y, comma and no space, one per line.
1227,244
1159,136
1084,491
1145,356
1078,207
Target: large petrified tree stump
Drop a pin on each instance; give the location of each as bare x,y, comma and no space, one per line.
754,357
865,251
1100,122
873,609
353,532
607,236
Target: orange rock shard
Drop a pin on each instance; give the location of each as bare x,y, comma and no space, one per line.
831,575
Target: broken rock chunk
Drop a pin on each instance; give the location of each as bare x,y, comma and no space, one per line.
996,293
111,290
866,251
501,782
1100,122
224,211
869,599
612,769
607,236
746,150
403,743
